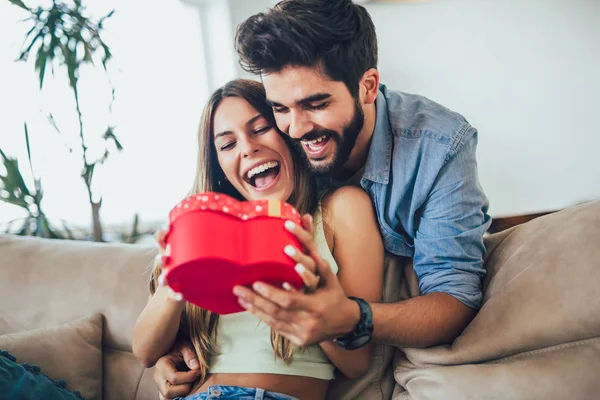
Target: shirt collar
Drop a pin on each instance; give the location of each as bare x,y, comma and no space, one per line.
377,167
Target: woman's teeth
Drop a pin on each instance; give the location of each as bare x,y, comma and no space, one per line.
262,168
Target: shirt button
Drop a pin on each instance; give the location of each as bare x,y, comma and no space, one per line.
216,393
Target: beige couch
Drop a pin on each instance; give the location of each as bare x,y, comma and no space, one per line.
70,308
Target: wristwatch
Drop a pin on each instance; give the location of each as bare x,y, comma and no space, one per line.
363,332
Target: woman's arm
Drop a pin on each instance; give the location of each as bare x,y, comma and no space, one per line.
156,327
358,251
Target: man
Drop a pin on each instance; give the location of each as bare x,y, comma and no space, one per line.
415,158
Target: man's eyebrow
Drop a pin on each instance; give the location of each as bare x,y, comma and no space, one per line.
250,121
314,97
307,100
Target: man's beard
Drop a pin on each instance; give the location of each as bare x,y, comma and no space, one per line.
344,143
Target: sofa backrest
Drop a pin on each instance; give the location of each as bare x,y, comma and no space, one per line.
45,283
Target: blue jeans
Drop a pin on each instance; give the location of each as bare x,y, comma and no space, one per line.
222,392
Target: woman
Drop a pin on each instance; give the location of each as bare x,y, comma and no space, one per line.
242,154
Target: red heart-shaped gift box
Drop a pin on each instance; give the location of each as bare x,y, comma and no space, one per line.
218,242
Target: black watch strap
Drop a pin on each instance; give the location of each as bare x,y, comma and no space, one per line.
363,332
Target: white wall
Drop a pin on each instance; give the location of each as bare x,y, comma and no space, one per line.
524,72
219,20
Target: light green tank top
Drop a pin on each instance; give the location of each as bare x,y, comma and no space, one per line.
244,342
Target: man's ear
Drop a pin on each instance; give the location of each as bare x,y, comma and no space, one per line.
369,86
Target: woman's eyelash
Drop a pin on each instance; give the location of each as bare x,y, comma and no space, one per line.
258,131
261,130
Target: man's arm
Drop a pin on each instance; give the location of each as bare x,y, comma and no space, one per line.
423,321
448,259
449,228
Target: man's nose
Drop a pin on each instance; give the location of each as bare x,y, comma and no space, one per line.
300,125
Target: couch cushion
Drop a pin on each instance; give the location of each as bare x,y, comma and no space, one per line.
556,373
64,280
541,293
67,279
72,352
126,378
27,382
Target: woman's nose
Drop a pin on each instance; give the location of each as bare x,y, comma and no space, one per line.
249,150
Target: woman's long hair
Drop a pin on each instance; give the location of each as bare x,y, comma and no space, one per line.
197,324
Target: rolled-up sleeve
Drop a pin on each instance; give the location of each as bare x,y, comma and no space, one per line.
448,241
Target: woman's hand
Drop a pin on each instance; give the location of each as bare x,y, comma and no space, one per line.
306,265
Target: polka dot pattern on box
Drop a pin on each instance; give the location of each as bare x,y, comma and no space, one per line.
243,210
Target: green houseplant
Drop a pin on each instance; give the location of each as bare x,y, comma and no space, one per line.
14,190
63,37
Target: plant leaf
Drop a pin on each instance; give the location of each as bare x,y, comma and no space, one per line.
107,55
25,53
110,135
71,63
53,123
88,173
19,3
45,228
25,228
28,147
40,64
13,181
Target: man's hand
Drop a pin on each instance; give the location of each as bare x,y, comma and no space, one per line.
303,318
171,382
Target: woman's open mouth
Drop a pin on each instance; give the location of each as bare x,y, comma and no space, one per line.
263,176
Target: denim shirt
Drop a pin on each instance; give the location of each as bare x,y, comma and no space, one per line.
421,175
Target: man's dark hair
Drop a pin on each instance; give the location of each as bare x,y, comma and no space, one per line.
335,35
